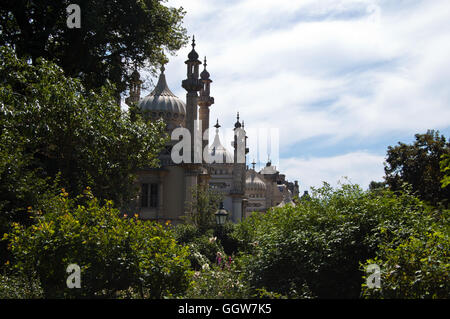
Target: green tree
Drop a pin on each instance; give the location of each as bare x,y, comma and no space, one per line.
418,165
119,256
51,125
315,249
115,36
375,186
201,209
419,267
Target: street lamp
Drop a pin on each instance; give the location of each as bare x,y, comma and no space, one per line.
221,215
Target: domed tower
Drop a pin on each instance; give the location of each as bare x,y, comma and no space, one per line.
270,175
239,165
162,103
255,190
192,85
204,102
218,154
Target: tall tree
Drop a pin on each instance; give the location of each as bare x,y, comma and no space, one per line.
418,165
51,125
200,210
114,37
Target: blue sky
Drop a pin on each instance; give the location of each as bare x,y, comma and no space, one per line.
341,79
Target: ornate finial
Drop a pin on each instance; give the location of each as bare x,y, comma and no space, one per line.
217,124
162,68
242,123
253,164
193,56
237,124
205,74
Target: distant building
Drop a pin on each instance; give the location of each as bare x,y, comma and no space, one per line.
166,190
268,188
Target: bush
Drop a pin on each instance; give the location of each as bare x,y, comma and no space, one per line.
227,237
16,287
221,280
315,248
116,253
417,268
207,243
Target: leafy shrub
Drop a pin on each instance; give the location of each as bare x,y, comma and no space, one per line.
219,282
203,246
115,253
315,248
186,233
227,237
16,287
417,268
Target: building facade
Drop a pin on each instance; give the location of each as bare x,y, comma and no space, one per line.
166,191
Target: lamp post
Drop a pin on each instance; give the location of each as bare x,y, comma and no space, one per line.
221,215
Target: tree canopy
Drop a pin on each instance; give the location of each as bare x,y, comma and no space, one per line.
418,164
52,128
317,248
115,36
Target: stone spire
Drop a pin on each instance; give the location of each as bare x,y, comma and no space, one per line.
237,124
192,85
204,102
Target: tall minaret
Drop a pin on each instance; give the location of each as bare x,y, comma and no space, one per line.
205,101
135,89
239,164
192,85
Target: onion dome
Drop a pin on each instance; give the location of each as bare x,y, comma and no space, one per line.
217,152
162,103
205,74
253,182
193,55
237,124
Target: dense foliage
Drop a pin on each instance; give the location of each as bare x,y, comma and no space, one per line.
316,248
202,207
50,125
445,169
119,256
419,267
115,36
418,164
56,133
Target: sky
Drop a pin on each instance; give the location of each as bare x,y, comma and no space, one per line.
340,80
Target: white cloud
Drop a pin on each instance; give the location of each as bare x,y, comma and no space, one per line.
359,167
341,70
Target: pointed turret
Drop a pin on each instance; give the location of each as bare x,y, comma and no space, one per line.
192,85
204,102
